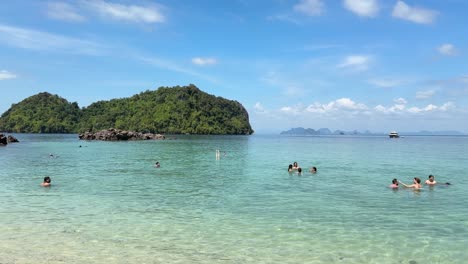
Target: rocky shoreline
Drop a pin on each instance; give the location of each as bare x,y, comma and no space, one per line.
4,140
119,135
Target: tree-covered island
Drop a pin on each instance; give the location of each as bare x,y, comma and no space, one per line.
171,110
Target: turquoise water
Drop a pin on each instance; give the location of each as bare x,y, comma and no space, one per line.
108,204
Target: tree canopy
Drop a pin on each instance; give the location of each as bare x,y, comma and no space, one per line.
171,110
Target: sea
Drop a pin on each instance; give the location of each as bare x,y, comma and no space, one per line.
109,204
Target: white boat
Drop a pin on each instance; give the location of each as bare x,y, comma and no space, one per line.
393,134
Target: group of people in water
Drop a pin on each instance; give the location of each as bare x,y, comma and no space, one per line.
416,183
295,167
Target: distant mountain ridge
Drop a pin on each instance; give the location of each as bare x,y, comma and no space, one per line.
300,131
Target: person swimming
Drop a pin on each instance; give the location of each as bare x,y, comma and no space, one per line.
295,166
299,171
290,168
416,184
157,164
46,182
313,170
394,184
431,180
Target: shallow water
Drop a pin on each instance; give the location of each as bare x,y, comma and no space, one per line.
108,204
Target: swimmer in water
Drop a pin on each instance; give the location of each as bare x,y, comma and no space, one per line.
394,184
157,164
431,180
46,182
313,170
416,184
299,171
290,168
295,166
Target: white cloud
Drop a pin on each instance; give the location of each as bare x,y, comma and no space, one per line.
63,11
294,110
171,66
345,104
385,83
447,106
414,14
401,101
447,49
310,7
258,107
425,94
39,40
402,109
5,75
366,8
204,61
355,62
130,13
345,107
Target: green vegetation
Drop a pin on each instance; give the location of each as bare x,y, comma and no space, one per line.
41,113
176,110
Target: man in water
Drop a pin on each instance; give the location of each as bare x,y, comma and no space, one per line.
46,182
313,170
299,171
431,180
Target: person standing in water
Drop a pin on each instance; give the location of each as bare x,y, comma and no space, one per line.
313,170
431,180
46,182
290,168
416,184
295,166
394,184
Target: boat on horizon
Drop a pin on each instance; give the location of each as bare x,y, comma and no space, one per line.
393,134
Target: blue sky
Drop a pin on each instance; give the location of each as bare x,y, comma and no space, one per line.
369,64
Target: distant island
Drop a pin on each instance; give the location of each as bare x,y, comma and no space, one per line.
300,131
171,110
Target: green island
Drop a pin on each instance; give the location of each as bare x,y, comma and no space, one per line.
171,110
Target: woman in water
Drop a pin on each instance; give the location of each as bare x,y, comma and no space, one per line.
295,166
416,184
394,184
46,182
290,168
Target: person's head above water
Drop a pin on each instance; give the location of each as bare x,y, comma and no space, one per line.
417,180
314,170
431,178
299,170
395,181
295,164
46,181
290,167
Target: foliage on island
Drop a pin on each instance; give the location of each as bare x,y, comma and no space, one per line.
41,113
176,110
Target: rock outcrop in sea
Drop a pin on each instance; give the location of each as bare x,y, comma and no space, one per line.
117,135
4,140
